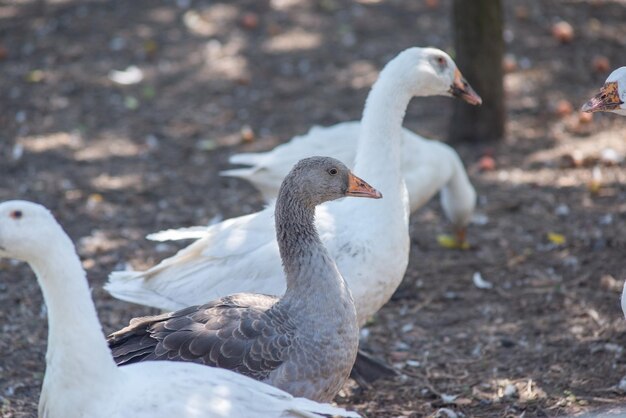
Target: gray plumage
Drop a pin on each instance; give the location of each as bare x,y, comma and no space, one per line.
304,343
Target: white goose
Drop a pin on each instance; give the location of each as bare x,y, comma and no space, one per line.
611,98
612,95
428,167
369,241
82,379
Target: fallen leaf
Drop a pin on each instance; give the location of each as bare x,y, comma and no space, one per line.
451,243
555,238
35,76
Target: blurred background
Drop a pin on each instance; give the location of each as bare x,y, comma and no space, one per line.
118,115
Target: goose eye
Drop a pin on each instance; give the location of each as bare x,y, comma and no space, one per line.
332,171
442,62
16,214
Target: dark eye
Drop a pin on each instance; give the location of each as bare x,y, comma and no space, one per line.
442,62
332,171
16,214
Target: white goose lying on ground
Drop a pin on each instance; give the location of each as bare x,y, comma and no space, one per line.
428,167
612,95
304,342
82,379
369,240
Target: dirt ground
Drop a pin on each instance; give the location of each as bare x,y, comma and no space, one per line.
115,162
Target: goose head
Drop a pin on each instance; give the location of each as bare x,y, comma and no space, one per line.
431,72
321,179
612,95
27,230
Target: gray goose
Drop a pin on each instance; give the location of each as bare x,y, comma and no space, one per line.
305,342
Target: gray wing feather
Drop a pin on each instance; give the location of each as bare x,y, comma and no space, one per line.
243,333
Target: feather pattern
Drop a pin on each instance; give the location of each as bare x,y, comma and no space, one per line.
81,378
244,333
306,342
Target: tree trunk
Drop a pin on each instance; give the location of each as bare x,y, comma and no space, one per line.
479,50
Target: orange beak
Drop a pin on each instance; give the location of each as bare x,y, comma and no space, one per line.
607,100
359,188
460,88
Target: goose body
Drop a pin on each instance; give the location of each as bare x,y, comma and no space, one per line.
81,377
428,167
612,95
369,241
305,342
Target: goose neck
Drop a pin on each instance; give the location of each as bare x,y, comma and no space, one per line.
297,237
77,351
381,125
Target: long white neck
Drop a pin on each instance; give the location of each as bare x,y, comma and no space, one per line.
378,158
78,355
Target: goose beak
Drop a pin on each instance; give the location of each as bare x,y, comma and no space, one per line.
359,188
607,100
460,88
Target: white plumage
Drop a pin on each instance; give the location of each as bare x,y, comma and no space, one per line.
369,241
81,379
428,167
612,95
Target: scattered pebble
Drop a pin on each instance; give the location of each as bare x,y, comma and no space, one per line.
562,210
206,144
509,63
117,43
608,156
522,12
509,391
446,413
481,283
480,219
563,32
450,295
127,77
563,108
486,163
20,116
600,64
448,398
571,261
247,134
249,20
606,219
584,117
162,247
17,152
364,333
